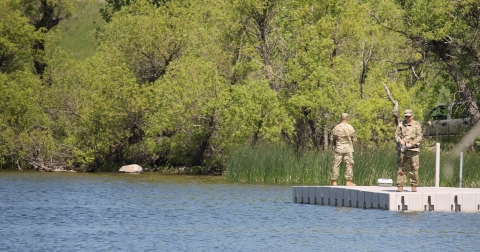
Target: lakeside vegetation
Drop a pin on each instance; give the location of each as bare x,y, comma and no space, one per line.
281,165
168,84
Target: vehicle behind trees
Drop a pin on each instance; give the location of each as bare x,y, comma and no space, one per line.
447,119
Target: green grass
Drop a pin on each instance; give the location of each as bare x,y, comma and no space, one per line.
280,165
275,164
76,35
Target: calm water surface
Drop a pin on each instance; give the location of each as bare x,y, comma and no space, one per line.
152,212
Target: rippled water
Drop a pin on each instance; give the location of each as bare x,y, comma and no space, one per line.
151,212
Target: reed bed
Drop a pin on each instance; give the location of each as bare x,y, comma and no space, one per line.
279,164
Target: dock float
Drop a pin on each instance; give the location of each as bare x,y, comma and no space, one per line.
445,199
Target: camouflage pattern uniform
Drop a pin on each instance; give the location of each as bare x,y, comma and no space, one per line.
343,136
408,157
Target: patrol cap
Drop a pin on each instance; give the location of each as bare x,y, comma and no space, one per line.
344,116
408,112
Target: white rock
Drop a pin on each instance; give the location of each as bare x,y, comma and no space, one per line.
134,168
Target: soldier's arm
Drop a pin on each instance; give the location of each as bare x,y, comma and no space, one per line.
417,138
332,140
354,136
398,137
332,137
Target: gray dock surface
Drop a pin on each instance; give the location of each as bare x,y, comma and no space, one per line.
446,199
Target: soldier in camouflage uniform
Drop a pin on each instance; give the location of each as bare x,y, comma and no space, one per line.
408,137
343,136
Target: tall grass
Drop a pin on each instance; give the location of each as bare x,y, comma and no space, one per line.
276,164
280,164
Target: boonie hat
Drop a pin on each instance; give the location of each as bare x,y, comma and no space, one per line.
344,116
408,112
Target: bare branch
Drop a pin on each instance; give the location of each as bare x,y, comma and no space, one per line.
394,102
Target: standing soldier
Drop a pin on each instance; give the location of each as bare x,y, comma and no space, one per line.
408,137
343,136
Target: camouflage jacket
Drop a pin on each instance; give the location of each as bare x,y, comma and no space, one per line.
409,133
343,136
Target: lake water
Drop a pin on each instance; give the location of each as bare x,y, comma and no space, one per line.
153,212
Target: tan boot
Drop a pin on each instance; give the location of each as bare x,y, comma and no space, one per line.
350,183
414,188
334,182
400,188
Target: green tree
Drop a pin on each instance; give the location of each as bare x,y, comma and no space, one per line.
186,108
44,15
253,113
323,68
16,39
95,107
259,28
149,38
25,139
443,32
114,6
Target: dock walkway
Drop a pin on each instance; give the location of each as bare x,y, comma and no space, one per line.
446,199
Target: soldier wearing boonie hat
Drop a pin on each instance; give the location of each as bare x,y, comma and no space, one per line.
408,137
343,136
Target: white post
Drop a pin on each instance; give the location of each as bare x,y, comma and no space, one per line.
461,168
437,165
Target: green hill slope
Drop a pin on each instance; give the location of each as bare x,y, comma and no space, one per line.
76,35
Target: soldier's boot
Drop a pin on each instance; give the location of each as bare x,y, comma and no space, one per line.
334,182
400,188
414,188
350,183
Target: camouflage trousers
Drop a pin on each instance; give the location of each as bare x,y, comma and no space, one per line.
407,161
337,160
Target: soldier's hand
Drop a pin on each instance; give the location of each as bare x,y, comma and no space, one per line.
409,145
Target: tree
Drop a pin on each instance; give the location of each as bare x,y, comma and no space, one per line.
16,39
25,140
95,108
114,6
150,38
322,73
44,15
442,31
258,20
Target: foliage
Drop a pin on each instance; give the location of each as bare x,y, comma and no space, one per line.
114,6
44,15
445,34
16,39
94,106
149,38
25,138
186,105
251,114
191,83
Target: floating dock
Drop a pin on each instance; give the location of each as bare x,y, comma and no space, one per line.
445,199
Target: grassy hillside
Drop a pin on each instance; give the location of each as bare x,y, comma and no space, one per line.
76,35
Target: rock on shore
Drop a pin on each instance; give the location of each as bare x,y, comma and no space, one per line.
134,168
